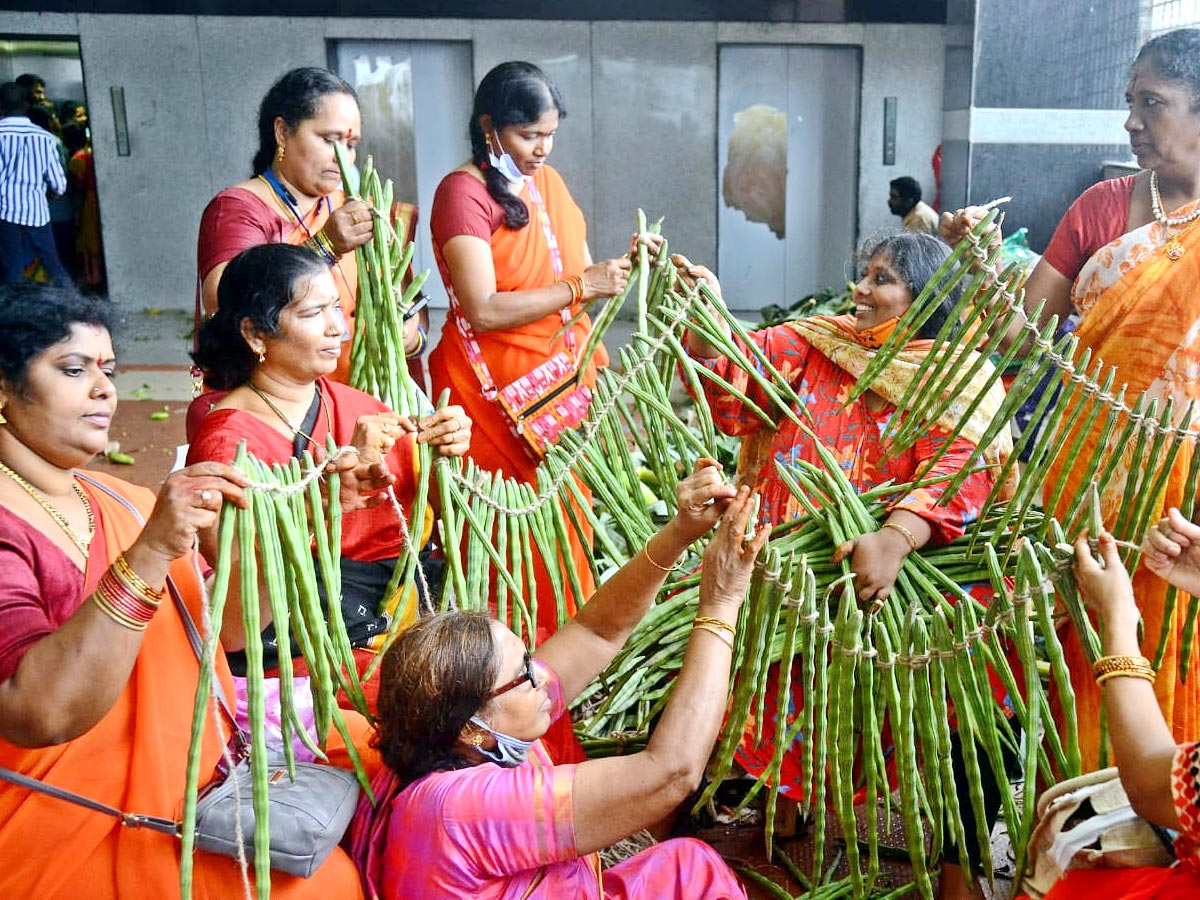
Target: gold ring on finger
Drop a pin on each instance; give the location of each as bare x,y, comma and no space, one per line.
205,496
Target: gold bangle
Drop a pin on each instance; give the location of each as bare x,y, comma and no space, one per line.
1146,674
1107,664
420,348
136,582
709,620
650,559
909,536
726,639
574,293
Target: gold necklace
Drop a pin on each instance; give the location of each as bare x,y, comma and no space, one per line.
296,432
81,544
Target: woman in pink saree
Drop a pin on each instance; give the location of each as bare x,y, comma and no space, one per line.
470,804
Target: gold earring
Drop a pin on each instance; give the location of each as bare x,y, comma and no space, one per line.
3,421
279,154
474,739
262,354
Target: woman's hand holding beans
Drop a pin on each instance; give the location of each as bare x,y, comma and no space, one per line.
349,226
956,225
448,431
690,274
703,497
875,559
606,278
1171,550
188,504
729,559
1108,591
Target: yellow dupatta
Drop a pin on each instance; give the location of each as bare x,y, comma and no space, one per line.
853,351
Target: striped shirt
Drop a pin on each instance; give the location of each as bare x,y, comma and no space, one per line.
29,164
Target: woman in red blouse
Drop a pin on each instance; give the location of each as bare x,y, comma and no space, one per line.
294,195
273,345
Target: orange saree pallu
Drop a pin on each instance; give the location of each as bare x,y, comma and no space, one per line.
523,260
1141,314
135,759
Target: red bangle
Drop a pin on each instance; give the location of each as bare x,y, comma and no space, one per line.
123,605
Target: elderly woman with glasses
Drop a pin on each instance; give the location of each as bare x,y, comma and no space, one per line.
471,805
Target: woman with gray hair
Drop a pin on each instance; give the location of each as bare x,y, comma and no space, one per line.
822,357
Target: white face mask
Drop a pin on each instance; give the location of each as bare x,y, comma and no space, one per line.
504,164
509,751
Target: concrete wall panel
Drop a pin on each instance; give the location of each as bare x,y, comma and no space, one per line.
905,62
641,130
655,94
232,93
150,200
563,50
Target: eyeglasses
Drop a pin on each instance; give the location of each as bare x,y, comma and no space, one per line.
527,675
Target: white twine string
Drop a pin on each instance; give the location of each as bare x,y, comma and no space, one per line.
406,538
1141,421
915,661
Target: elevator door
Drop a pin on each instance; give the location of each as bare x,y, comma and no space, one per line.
416,102
787,170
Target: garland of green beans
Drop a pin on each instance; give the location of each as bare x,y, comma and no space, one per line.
272,542
635,437
1149,431
930,649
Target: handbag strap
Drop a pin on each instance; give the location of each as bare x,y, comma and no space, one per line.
132,820
470,343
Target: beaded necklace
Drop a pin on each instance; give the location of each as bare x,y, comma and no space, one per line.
1174,247
82,543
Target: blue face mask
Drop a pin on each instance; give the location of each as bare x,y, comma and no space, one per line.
505,164
509,751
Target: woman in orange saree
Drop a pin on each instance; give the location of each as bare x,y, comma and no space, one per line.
511,246
89,702
1131,271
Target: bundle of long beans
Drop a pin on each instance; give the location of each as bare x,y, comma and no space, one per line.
377,358
635,426
1150,433
271,545
377,362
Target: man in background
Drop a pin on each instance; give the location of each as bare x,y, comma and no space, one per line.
904,200
35,87
30,168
